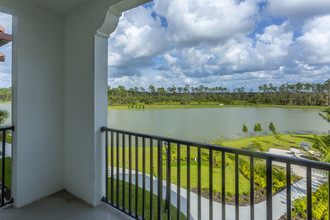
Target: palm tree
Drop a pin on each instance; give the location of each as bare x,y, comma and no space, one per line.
326,116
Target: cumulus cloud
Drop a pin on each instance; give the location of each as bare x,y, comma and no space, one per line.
298,9
222,43
194,22
315,41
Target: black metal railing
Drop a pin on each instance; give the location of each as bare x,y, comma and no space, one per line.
120,141
5,193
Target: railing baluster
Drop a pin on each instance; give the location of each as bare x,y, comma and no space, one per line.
179,181
3,167
112,173
252,188
113,162
288,191
309,193
199,173
328,194
130,174
236,188
136,175
211,184
143,177
269,190
117,190
188,182
124,177
223,183
151,177
106,168
160,180
168,181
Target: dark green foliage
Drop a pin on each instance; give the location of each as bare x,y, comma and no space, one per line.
319,204
285,94
3,115
245,129
279,175
272,127
257,127
326,115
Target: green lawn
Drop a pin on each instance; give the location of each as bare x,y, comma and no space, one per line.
147,201
244,184
269,141
7,171
217,171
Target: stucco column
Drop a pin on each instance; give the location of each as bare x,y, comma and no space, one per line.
87,30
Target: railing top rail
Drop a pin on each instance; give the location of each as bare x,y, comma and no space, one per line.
12,128
261,155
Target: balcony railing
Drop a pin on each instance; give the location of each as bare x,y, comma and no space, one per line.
5,193
153,173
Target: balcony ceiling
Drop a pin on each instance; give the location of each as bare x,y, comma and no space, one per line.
59,6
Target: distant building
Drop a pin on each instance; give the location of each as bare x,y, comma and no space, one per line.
4,39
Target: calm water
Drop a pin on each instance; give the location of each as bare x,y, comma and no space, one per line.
210,123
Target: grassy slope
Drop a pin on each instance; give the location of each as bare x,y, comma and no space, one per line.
268,141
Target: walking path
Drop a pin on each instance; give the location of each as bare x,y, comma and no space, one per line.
279,200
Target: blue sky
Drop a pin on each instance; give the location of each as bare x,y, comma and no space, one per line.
227,43
224,43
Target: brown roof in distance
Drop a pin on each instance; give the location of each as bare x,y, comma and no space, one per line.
2,57
4,39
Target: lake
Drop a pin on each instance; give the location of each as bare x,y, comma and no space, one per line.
207,124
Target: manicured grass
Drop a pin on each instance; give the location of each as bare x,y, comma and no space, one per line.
147,201
217,171
7,172
269,141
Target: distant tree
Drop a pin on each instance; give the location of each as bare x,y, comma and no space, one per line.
257,127
245,129
326,115
272,127
277,136
3,115
256,145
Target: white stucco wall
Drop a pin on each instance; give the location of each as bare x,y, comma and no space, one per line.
60,98
38,101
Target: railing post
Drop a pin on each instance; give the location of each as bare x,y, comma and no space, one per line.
269,189
168,181
3,167
160,180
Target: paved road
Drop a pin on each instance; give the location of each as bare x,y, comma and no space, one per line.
279,200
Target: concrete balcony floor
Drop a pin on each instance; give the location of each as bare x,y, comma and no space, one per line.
62,206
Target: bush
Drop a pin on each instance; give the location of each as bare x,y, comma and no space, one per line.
319,204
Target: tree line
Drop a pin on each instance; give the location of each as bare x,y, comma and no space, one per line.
286,94
5,94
